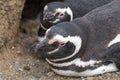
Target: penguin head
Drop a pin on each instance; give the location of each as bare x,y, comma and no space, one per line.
56,12
61,42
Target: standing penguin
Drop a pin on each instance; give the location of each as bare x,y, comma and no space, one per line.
56,12
87,46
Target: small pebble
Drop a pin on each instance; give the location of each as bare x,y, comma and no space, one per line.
1,78
90,78
18,67
118,73
13,47
49,74
27,68
34,78
18,52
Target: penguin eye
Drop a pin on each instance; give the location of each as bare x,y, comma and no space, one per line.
61,44
59,14
58,43
55,41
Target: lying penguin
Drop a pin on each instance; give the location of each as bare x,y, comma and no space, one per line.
86,46
56,12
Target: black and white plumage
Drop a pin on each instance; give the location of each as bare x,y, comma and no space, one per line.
56,12
53,13
86,46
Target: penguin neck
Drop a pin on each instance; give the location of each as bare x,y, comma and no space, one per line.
44,28
41,32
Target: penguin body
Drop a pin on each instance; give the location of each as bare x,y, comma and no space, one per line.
56,12
87,46
84,6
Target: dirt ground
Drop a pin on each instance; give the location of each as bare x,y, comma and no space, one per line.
17,62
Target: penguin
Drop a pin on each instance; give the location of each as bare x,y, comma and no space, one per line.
86,46
56,12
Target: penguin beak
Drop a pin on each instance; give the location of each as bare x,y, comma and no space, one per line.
39,45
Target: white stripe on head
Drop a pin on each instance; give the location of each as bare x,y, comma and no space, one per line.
67,10
50,52
100,70
46,7
43,37
46,33
76,40
55,21
115,40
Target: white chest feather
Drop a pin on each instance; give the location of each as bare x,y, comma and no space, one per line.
88,72
100,70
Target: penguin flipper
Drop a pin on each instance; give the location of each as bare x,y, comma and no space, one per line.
113,54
